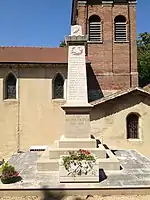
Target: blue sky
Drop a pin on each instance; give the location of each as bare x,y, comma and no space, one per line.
46,22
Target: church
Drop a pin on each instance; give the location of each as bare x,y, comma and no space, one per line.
33,83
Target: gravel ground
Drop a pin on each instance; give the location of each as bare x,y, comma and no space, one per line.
134,197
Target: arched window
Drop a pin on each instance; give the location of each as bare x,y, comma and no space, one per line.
10,87
95,32
58,87
132,122
120,28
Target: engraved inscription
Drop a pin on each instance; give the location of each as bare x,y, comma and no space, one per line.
80,124
77,85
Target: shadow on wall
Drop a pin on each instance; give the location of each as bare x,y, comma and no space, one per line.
94,90
116,105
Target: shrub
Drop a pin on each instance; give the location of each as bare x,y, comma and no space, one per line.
9,174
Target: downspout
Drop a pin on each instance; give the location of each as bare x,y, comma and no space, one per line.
18,112
130,46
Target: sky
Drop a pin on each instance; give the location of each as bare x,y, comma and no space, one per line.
47,22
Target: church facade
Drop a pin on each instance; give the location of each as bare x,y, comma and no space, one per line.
33,83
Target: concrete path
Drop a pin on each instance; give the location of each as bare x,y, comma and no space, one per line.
135,172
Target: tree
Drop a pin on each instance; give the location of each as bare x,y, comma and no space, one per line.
62,44
143,50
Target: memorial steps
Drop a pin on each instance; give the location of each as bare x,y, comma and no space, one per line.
49,160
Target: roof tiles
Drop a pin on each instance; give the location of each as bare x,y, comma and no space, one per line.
33,54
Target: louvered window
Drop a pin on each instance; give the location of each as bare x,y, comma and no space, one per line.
95,33
10,87
120,29
132,126
58,87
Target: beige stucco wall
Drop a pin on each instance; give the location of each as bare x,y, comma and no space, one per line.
108,122
40,120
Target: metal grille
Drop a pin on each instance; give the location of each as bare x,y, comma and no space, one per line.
132,126
11,87
95,31
120,31
11,92
58,87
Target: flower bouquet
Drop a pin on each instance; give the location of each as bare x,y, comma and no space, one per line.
79,163
9,174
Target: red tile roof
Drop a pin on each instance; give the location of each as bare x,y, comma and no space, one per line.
33,54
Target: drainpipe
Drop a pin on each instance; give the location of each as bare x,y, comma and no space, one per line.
18,113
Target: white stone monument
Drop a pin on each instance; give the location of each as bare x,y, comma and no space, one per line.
77,118
77,107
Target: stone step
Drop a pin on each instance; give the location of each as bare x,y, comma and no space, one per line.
44,165
109,164
56,153
77,143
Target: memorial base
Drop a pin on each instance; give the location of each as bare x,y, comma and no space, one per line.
77,121
91,176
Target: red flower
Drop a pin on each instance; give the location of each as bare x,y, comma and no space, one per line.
87,152
16,173
84,151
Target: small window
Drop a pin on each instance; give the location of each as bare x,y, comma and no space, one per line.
95,33
132,123
120,29
10,87
58,87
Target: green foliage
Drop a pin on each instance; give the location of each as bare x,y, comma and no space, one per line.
143,50
62,44
8,171
78,156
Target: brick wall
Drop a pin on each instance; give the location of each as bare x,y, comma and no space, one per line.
113,64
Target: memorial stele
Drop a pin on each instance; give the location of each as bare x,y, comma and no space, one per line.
77,113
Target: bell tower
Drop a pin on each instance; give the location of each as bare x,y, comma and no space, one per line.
111,47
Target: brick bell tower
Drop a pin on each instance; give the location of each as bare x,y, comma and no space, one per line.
111,48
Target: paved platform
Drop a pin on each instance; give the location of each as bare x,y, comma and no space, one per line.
135,172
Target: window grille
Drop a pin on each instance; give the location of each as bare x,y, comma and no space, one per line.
95,33
132,126
120,29
58,87
10,87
